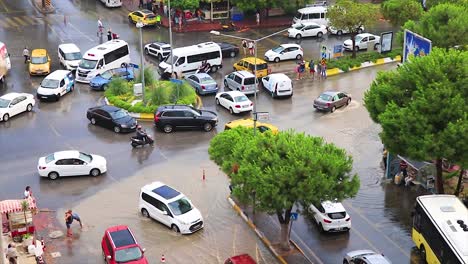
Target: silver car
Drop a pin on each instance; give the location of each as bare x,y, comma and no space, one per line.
365,257
202,83
329,101
242,81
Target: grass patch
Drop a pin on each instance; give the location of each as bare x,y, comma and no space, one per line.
346,62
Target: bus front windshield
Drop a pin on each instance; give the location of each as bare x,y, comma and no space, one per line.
88,64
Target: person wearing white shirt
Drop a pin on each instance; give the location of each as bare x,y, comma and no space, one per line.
27,192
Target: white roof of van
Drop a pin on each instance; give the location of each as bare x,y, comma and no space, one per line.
203,45
58,74
69,47
312,9
93,52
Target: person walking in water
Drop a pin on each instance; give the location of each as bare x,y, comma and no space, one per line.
69,217
26,54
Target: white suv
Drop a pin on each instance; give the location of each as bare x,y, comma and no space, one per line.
331,216
170,207
158,49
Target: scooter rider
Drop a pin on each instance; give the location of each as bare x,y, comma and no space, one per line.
143,136
204,67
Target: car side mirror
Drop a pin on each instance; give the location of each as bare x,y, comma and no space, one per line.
143,249
194,117
109,257
164,212
99,66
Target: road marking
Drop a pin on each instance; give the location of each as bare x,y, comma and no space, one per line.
3,24
10,22
20,21
234,240
86,36
365,239
4,6
54,130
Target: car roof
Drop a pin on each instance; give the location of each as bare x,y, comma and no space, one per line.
332,93
202,75
308,23
366,35
288,45
121,236
173,107
234,93
226,44
11,96
278,76
247,122
69,47
162,190
251,60
333,207
57,74
66,154
145,11
161,43
376,259
245,74
108,108
38,52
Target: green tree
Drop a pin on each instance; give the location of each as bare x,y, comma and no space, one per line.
185,4
400,11
423,108
445,25
432,3
283,170
349,15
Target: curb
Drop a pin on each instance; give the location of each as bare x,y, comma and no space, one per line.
260,234
38,5
336,71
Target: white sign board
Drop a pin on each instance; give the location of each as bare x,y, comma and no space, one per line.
137,89
262,116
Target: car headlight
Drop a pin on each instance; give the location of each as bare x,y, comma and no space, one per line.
183,222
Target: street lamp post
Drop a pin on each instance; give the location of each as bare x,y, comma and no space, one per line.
140,25
170,36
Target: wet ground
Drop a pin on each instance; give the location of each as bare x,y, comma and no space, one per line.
380,212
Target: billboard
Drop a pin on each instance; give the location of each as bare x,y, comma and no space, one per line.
415,45
386,39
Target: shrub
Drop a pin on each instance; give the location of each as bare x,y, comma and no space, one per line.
118,87
345,63
159,94
150,78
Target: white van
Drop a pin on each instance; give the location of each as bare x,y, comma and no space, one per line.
110,55
112,3
69,56
5,63
189,59
170,207
55,85
316,14
278,84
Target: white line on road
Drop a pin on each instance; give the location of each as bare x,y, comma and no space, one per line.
86,36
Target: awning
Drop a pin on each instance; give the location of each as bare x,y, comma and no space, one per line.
9,206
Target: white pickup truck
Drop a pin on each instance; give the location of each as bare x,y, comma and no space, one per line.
5,64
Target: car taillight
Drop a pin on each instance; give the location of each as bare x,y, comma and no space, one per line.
251,104
203,87
327,221
42,168
242,87
347,219
237,106
156,116
328,104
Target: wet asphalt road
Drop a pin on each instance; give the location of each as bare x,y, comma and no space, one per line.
380,213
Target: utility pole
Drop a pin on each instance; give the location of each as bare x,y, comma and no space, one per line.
139,25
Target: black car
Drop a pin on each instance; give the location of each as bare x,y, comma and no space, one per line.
112,117
228,50
169,117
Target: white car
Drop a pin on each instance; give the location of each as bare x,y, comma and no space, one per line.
69,56
71,163
365,257
340,32
158,49
235,101
12,104
55,85
284,52
331,216
362,41
278,84
307,29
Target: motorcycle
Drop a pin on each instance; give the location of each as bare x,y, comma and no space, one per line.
135,142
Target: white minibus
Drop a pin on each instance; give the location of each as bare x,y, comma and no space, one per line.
110,55
190,58
316,14
112,3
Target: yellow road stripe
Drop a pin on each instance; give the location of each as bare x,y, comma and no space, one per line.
10,22
4,6
37,21
21,22
29,20
3,24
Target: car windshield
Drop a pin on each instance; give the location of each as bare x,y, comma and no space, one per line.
38,60
49,158
166,48
298,15
206,80
358,38
299,26
85,157
50,83
326,97
4,103
241,98
337,215
118,114
169,60
106,75
261,66
249,81
88,64
278,49
128,254
180,206
73,56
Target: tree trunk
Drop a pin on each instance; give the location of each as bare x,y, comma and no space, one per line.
284,223
353,39
439,180
459,183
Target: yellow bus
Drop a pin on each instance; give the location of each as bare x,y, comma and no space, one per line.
440,229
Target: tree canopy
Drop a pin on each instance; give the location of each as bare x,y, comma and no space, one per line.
423,108
185,4
283,170
400,11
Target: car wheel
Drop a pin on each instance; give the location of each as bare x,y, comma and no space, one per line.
422,254
29,108
376,46
167,128
339,33
217,101
226,85
321,228
175,228
207,127
123,65
6,117
298,36
160,57
130,20
117,129
93,121
276,60
57,97
319,35
214,69
272,94
72,88
299,57
145,213
146,51
356,48
95,172
53,175
333,109
345,261
104,87
231,111
349,101
232,54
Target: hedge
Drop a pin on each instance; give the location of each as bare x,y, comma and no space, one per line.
347,62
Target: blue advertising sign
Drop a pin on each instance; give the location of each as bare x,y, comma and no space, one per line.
323,52
176,81
337,51
415,45
294,216
135,66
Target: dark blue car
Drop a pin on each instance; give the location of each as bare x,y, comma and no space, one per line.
101,80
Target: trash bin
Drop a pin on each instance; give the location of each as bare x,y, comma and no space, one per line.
237,17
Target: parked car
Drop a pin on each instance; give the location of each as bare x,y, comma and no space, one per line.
284,52
307,29
278,84
119,245
145,16
169,117
331,216
235,101
69,56
12,104
158,49
112,117
365,257
56,85
362,41
39,62
100,81
228,50
240,259
340,32
248,64
329,101
249,123
242,81
71,163
169,207
202,83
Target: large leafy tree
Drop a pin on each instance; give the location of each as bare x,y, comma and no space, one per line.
185,4
444,24
349,15
423,108
283,170
432,3
400,11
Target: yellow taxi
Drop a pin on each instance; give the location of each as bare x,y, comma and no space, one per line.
147,17
248,64
249,123
39,63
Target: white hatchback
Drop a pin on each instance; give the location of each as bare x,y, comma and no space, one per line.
284,52
71,163
278,84
362,41
235,101
331,216
12,104
308,29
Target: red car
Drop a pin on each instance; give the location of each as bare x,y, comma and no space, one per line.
120,246
241,259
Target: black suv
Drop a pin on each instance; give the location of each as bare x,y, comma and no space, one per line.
168,117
